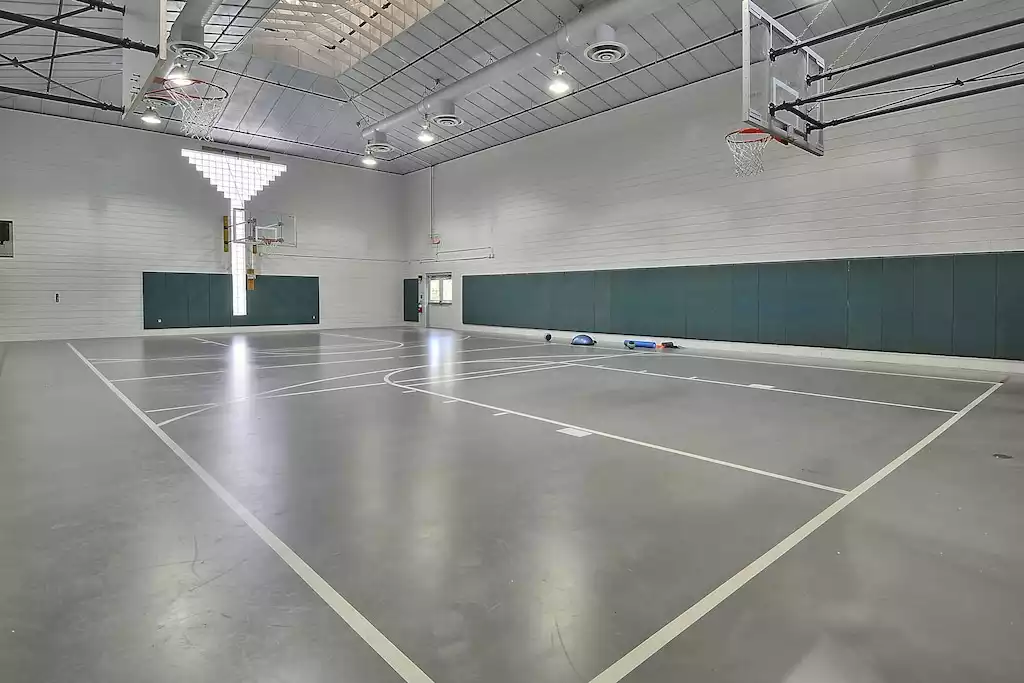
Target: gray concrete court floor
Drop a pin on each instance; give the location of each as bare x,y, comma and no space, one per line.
380,505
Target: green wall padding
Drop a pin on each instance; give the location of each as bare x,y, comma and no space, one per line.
974,300
771,303
816,298
183,300
1010,306
898,305
964,304
864,304
411,300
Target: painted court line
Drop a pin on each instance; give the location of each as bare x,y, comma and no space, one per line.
451,401
183,374
194,405
387,650
208,341
324,391
642,652
624,439
766,387
495,414
254,367
572,431
182,417
677,354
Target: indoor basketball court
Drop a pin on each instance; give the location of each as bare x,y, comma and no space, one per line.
453,341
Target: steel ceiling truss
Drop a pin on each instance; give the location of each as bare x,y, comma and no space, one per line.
25,23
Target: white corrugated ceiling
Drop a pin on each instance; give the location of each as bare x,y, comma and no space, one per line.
289,98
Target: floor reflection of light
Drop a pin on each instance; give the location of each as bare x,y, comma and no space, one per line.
240,369
440,356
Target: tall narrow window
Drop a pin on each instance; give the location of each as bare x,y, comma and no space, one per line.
239,178
239,253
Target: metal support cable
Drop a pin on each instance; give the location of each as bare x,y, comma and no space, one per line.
853,28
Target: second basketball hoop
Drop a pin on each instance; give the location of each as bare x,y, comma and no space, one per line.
201,104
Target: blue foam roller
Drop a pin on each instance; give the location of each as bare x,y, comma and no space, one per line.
640,344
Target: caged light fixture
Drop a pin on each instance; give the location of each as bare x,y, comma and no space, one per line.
560,83
426,136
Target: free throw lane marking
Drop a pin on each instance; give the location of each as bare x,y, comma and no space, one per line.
642,652
624,439
387,650
766,387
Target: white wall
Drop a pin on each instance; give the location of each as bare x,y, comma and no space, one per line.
651,184
94,206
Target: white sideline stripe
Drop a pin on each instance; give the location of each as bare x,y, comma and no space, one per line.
324,391
642,652
184,374
677,354
387,650
307,365
624,439
571,431
495,415
480,374
315,381
208,341
766,387
373,339
183,416
451,401
102,361
271,393
254,367
194,405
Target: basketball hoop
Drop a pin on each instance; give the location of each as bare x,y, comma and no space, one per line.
201,105
747,146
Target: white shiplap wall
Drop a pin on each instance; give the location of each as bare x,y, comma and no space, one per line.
94,206
651,184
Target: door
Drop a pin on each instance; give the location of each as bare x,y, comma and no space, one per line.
411,300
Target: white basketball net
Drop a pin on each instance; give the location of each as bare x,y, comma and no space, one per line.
198,114
747,147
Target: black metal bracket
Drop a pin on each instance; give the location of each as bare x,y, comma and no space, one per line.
945,64
914,50
921,103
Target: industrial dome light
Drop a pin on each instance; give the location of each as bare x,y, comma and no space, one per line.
150,116
560,83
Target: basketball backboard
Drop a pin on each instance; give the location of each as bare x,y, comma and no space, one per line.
769,82
275,225
144,21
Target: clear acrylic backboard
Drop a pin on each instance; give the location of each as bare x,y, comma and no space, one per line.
770,82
